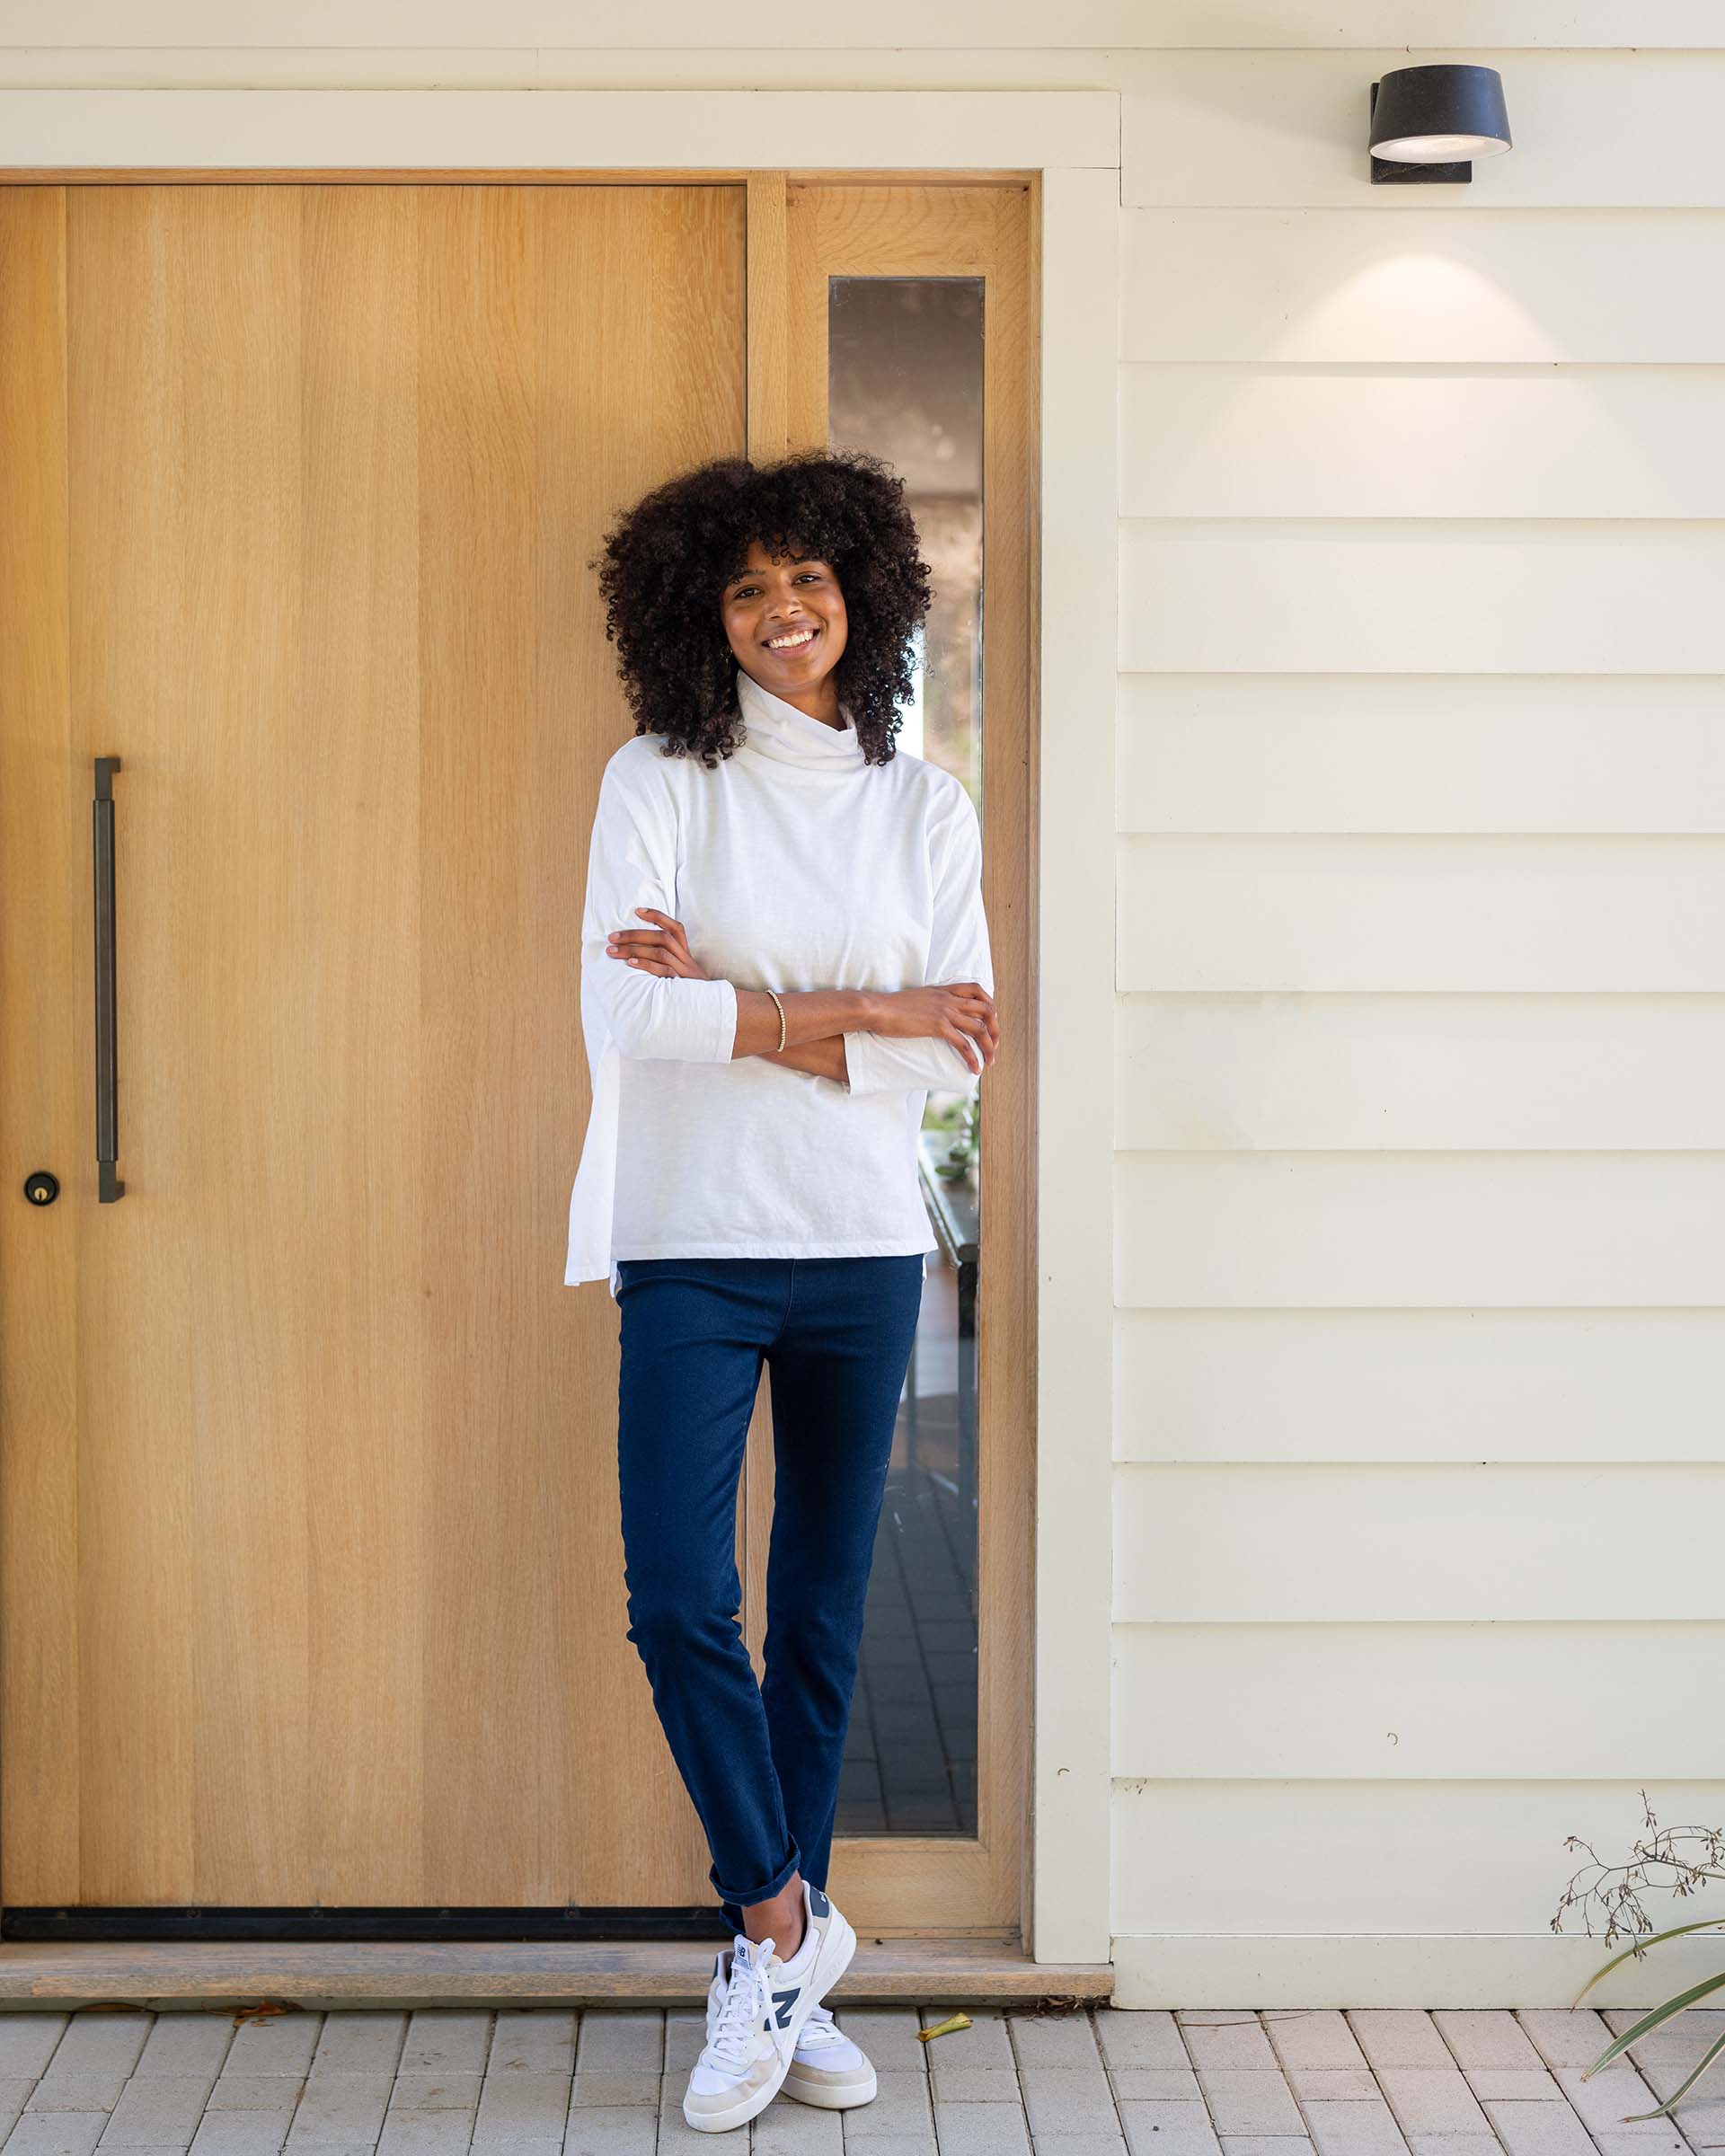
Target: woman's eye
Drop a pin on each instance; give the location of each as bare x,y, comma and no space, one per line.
750,591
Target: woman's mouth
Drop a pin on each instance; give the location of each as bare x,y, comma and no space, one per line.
793,640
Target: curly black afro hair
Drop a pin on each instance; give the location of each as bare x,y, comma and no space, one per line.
665,564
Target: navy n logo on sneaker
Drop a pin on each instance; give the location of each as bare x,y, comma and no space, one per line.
818,1902
784,2002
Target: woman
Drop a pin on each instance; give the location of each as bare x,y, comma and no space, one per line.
782,950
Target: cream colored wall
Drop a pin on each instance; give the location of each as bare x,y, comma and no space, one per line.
1420,1298
1419,1334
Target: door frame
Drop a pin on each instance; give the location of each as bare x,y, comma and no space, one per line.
1070,141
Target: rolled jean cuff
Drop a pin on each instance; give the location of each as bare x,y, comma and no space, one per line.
782,1877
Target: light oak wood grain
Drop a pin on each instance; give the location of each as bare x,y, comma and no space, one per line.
308,1454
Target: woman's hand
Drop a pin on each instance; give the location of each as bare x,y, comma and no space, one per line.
822,1058
961,1012
662,950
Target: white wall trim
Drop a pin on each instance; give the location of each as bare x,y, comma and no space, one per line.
1079,601
1480,1970
577,129
1073,138
958,26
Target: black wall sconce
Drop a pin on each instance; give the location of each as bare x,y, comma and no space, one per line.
1429,123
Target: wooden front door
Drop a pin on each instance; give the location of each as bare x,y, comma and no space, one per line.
312,1575
311,1581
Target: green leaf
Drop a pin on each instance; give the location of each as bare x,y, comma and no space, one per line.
1651,1938
1652,2020
1707,2058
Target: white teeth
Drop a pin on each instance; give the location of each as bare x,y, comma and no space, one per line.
784,643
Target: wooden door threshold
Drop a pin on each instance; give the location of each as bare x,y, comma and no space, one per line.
159,1975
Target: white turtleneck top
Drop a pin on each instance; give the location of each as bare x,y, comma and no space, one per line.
793,864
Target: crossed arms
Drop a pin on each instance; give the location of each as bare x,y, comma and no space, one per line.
639,974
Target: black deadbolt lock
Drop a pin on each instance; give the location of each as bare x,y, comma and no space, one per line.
41,1189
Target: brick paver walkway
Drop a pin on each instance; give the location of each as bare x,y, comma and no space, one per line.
548,2082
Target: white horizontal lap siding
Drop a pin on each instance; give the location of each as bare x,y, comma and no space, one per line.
1587,442
1420,1074
1402,913
1423,285
1380,1073
1443,1701
1342,1544
1354,1861
1375,753
1465,1384
1397,1231
1424,598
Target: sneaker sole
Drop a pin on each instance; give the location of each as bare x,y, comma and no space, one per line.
739,2114
826,2099
830,1963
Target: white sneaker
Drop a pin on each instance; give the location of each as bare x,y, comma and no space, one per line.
828,2069
757,2007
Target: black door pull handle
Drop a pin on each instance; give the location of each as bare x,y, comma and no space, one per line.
109,1185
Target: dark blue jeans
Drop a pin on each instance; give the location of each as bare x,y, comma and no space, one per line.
760,1761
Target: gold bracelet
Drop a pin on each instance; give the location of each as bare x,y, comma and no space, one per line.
778,1007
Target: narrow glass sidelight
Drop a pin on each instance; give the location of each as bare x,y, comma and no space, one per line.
904,382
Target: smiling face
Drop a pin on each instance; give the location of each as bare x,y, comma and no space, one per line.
787,626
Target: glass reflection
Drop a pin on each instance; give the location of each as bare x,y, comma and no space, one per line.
905,381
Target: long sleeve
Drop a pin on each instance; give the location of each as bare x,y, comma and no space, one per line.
957,951
631,863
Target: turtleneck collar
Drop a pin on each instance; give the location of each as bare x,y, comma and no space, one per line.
779,731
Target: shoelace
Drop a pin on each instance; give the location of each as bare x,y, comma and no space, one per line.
818,2028
745,2001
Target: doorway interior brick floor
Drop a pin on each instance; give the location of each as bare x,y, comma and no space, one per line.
609,2083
